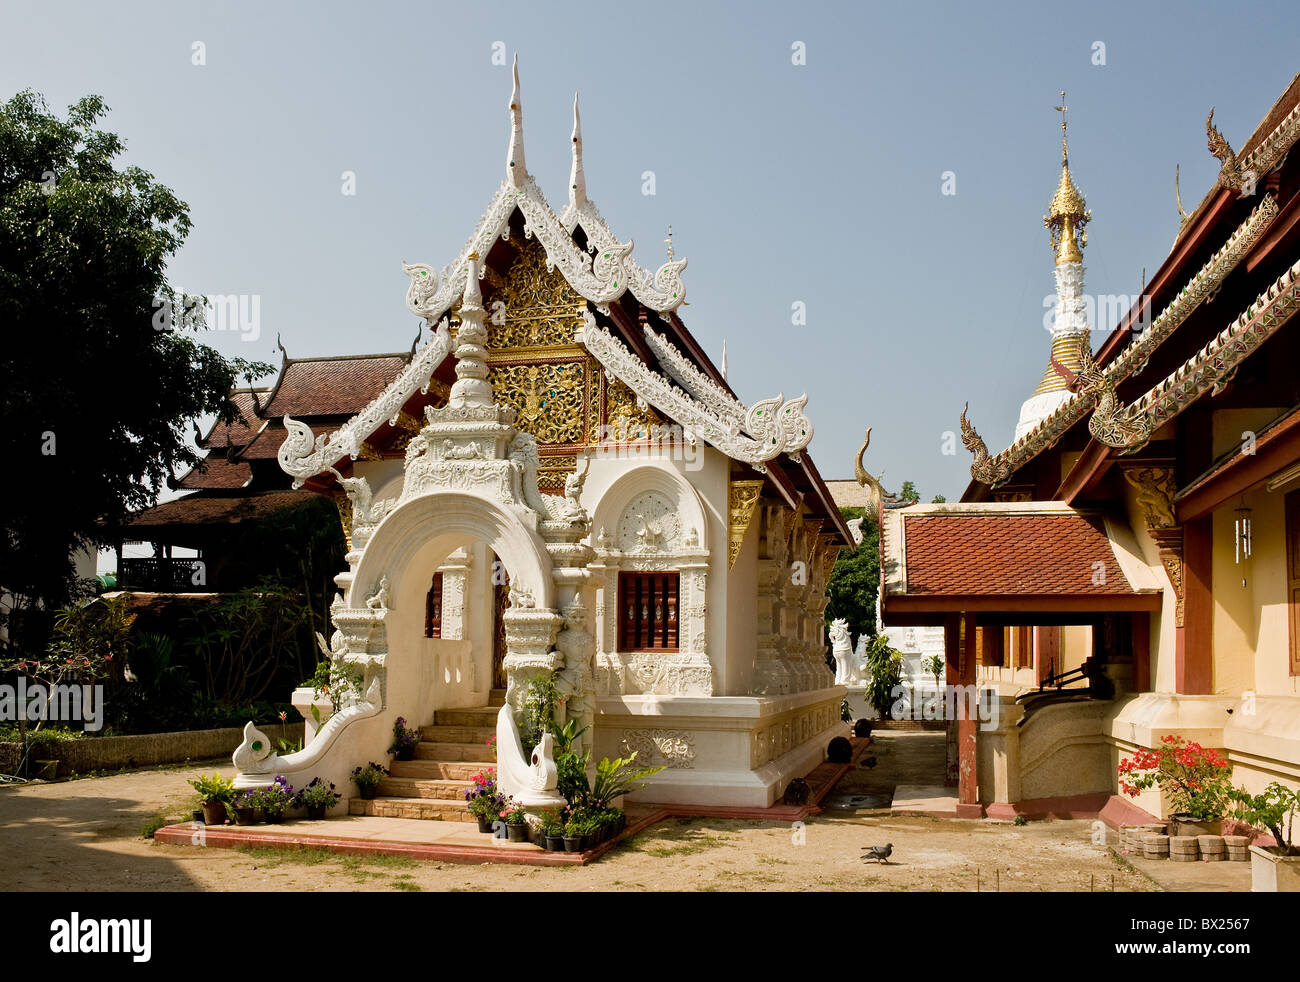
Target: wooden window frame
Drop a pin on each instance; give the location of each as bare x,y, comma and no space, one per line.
649,610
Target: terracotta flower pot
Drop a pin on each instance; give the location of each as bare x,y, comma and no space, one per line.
214,813
245,816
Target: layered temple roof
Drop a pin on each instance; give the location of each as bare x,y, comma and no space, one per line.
323,413
238,478
629,324
1139,380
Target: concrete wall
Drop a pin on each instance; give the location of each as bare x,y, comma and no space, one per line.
112,753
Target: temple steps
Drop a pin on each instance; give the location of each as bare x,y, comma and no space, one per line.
466,718
405,787
436,750
440,733
433,785
428,809
438,770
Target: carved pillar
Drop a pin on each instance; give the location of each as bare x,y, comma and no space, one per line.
455,574
530,640
577,675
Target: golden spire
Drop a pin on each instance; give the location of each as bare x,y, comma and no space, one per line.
1068,212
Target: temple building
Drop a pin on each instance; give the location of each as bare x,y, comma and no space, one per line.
560,484
1129,567
239,479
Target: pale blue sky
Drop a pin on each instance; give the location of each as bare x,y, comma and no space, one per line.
818,183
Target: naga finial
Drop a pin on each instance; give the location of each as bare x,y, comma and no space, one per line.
516,170
1221,149
577,178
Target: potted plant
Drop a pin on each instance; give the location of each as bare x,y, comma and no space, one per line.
215,793
244,806
611,823
404,740
516,821
317,797
367,779
615,778
552,831
1273,869
1193,778
575,832
483,800
275,800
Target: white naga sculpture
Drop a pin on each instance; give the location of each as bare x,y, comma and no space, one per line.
850,669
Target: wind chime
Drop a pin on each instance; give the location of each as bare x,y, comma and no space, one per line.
1242,536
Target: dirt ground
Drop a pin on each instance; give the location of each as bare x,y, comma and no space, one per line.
86,835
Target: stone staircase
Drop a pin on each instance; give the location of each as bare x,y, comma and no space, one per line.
450,752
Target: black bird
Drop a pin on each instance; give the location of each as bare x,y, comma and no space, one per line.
879,853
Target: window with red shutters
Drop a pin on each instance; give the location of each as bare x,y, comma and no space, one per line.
433,609
647,611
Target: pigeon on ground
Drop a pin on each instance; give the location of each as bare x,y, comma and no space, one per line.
879,853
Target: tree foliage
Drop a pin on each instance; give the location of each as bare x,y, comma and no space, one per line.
96,399
855,580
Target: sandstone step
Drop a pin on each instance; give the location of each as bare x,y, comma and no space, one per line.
402,787
437,750
479,716
435,770
432,809
458,734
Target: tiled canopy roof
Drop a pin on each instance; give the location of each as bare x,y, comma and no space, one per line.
989,553
1010,554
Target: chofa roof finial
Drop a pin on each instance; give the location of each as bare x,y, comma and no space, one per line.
577,179
515,167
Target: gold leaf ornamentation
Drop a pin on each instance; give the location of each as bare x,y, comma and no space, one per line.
742,500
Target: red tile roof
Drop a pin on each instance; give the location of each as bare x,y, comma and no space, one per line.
241,431
269,440
332,386
1047,554
219,473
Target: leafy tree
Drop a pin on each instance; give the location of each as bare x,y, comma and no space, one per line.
885,668
938,499
855,580
909,493
98,382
